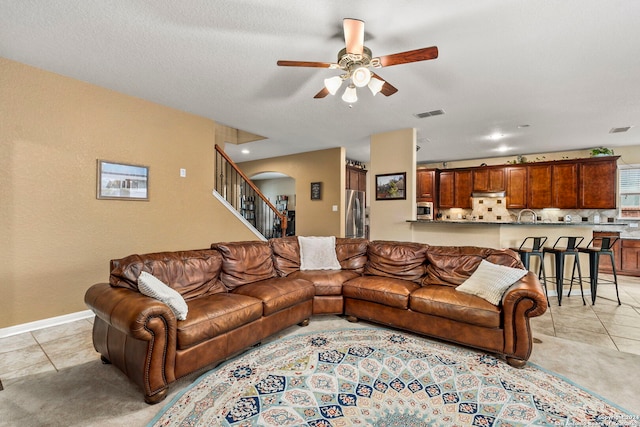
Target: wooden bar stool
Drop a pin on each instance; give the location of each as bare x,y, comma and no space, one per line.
596,247
537,243
559,253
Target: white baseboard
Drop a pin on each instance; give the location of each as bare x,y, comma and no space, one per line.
45,323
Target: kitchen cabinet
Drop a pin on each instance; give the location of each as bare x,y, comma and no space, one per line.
455,189
425,185
516,187
552,186
630,257
488,179
597,186
446,193
356,179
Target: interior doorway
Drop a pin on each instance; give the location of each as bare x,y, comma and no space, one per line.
280,190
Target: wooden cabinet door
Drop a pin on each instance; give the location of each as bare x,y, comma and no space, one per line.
463,189
564,182
597,188
446,197
630,254
356,179
488,179
539,186
425,185
516,187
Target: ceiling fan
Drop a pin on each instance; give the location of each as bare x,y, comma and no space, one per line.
356,61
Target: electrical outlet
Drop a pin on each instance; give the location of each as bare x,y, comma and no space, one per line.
183,173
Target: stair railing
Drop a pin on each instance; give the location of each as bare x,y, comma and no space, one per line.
243,195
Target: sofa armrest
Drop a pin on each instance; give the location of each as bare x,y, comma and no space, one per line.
130,312
529,288
523,300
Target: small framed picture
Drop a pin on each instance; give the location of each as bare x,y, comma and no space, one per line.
120,181
316,191
391,186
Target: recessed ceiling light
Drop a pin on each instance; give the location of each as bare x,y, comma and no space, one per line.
245,151
523,126
496,136
503,148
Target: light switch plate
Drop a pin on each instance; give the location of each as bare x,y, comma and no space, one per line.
183,172
335,208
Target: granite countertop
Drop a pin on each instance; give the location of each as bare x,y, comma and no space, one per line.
466,221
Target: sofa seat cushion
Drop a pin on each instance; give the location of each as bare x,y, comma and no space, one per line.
382,290
278,293
326,282
445,301
213,315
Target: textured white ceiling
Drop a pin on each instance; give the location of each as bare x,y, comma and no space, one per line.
568,68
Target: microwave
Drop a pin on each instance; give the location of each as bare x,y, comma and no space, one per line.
424,210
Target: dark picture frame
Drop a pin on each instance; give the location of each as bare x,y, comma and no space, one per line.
122,181
316,191
391,186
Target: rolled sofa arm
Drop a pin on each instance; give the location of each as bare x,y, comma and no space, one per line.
137,334
523,300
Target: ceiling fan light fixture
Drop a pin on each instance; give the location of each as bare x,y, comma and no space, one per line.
333,84
375,85
350,96
361,76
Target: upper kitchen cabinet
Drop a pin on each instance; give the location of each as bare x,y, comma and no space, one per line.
455,189
425,185
552,185
488,179
597,185
356,178
516,187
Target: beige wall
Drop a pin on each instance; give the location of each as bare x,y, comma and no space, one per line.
313,217
393,152
56,238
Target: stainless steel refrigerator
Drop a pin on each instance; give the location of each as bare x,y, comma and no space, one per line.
354,214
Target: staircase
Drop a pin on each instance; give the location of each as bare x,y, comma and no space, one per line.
242,195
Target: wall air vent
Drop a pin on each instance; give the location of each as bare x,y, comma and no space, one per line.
429,114
619,130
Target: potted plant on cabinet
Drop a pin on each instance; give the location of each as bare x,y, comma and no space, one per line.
601,151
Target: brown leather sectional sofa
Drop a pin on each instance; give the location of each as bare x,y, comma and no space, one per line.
242,292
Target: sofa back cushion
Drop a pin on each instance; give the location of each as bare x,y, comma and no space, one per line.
245,262
400,260
351,253
452,265
191,273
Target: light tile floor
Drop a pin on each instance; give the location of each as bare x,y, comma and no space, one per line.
604,324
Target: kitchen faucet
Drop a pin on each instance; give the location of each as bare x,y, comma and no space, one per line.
533,214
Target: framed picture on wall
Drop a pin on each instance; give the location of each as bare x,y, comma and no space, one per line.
391,186
316,191
120,181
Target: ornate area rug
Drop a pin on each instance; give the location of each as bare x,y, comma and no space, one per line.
377,377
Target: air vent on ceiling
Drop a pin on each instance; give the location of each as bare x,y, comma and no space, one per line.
429,114
619,130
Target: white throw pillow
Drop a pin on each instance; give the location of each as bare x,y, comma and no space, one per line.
318,253
153,287
490,281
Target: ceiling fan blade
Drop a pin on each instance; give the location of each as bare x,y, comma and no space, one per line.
353,35
409,56
387,89
324,92
306,64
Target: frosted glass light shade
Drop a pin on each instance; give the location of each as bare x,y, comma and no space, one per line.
350,94
361,76
333,84
375,85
